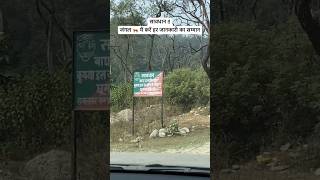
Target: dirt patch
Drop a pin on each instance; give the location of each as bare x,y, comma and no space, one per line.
197,140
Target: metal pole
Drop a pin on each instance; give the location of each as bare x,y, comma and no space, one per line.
74,146
162,111
133,115
162,125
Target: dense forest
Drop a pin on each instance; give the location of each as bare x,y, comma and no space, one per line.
36,64
265,80
264,69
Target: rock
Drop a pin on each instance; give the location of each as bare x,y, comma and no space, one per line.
125,115
152,106
317,172
182,131
272,164
193,128
113,118
162,130
264,159
293,154
154,133
162,134
52,165
279,168
235,167
285,147
186,129
137,140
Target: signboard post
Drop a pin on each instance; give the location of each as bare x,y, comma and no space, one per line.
90,83
148,84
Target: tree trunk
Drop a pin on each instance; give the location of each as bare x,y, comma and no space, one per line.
1,21
254,8
221,4
308,23
49,46
150,53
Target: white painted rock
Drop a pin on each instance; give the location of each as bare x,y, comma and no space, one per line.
182,131
162,130
154,134
186,129
162,134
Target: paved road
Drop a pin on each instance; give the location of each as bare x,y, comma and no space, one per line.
143,158
201,150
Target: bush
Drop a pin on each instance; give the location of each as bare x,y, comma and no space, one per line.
35,112
121,96
187,88
265,86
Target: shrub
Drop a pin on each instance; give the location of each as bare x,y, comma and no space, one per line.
186,87
265,86
36,111
121,96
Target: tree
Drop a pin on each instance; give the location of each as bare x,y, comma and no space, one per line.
309,22
193,12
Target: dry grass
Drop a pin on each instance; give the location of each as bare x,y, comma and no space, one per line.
147,120
194,139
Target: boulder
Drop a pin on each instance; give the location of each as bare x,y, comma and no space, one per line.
317,172
285,147
113,118
182,131
52,165
162,134
162,130
154,133
56,165
125,115
186,129
264,159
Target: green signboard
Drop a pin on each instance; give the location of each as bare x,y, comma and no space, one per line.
148,84
90,71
